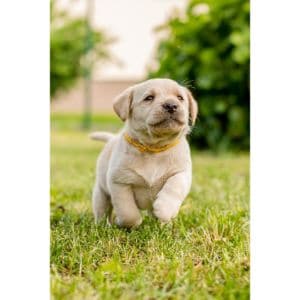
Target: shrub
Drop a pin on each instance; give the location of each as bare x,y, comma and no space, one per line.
72,51
207,49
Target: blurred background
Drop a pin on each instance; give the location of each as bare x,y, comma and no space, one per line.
100,47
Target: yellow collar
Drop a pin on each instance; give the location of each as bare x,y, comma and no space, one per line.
145,148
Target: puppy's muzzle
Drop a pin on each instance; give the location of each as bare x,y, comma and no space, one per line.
170,107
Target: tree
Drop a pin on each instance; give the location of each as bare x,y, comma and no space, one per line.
70,47
207,49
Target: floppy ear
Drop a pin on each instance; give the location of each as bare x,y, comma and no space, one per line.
193,107
122,103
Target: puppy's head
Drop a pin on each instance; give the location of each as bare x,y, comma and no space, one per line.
157,107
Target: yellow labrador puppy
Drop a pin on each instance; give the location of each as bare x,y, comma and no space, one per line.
147,166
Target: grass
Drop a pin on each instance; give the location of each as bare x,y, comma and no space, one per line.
203,254
61,121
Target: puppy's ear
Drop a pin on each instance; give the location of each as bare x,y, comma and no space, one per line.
193,107
122,103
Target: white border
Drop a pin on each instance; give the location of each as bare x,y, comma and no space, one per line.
275,150
24,159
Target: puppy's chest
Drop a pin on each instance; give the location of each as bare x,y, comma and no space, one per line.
150,173
147,184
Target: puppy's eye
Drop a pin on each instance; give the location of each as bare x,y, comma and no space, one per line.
149,98
180,98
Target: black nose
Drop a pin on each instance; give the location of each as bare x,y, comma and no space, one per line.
169,107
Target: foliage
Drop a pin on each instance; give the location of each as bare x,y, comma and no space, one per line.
207,49
72,50
203,254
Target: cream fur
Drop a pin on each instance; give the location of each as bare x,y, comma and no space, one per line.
127,180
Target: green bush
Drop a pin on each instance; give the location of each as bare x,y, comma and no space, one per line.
207,49
72,51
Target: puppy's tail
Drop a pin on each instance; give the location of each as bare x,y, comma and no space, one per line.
101,136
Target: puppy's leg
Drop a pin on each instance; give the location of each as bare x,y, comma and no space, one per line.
127,213
170,197
101,203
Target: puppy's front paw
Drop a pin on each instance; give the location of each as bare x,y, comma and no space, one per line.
128,222
165,209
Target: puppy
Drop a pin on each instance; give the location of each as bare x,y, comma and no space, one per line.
147,166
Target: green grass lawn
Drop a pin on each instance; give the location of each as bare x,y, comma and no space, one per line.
203,254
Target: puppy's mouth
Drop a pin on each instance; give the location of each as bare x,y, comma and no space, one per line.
167,121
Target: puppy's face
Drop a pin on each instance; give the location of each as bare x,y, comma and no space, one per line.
157,107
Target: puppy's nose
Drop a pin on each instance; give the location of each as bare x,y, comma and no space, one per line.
170,107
